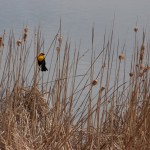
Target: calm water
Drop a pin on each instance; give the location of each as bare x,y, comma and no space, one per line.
78,17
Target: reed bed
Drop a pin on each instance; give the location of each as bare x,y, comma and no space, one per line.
106,107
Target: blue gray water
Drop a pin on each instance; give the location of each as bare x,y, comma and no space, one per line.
78,16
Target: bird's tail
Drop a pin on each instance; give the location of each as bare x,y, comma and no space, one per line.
43,68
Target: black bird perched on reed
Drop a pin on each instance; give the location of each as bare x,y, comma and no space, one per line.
41,62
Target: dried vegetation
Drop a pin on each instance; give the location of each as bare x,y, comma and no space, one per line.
61,111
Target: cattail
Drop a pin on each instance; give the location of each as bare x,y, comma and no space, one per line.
121,56
131,74
146,69
142,52
1,42
102,88
136,29
103,66
143,47
25,36
137,65
60,39
19,42
94,82
1,39
58,49
25,29
25,33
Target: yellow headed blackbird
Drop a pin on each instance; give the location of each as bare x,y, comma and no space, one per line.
41,62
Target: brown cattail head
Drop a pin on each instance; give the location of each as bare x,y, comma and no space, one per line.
25,29
104,65
142,52
146,69
19,42
143,47
1,42
121,56
137,65
136,29
131,74
102,88
1,39
25,36
94,82
59,39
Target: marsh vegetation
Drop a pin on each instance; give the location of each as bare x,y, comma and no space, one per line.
61,110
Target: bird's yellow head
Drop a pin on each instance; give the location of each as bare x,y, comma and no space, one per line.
41,57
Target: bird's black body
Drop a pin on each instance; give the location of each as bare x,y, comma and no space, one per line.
42,64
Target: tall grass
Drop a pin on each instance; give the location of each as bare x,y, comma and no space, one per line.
64,110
